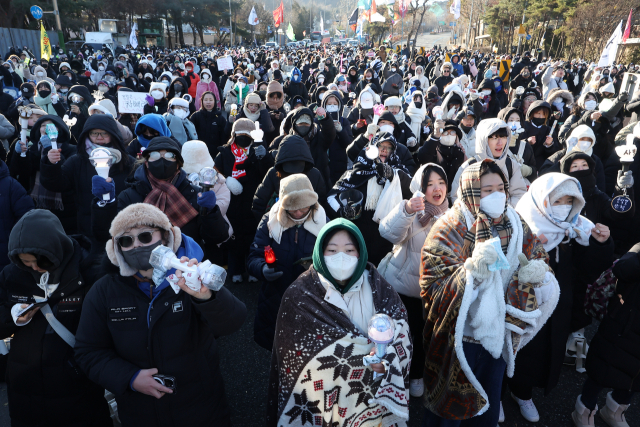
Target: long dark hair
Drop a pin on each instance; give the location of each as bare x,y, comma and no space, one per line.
426,173
215,100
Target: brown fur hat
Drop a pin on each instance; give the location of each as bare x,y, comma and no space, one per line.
296,192
136,215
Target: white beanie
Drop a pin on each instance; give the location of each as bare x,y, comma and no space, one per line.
393,100
148,75
179,102
105,106
196,156
609,87
158,86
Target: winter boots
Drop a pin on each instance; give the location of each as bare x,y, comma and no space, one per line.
582,416
613,413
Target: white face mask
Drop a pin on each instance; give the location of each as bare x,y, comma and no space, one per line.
206,78
590,105
393,70
561,212
321,96
341,266
448,140
306,62
103,89
366,103
39,74
584,145
157,94
101,68
386,128
181,114
320,80
241,85
493,204
332,108
486,92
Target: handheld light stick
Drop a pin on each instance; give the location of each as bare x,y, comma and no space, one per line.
101,159
163,259
380,329
24,114
52,133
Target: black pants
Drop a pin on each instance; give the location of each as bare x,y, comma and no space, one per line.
591,390
416,326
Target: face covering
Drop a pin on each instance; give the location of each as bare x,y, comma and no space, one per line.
366,103
386,128
466,129
138,258
341,266
158,95
367,78
243,141
101,68
586,178
538,121
321,96
40,74
448,140
486,92
162,168
103,88
206,78
493,204
332,108
166,83
590,105
561,212
418,104
178,88
321,80
181,114
393,70
558,103
302,130
44,93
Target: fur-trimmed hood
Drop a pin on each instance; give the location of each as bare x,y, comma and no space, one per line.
559,93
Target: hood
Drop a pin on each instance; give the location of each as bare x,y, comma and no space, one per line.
183,82
318,253
154,121
566,96
63,130
582,131
454,95
294,148
446,64
538,104
329,94
488,84
486,128
583,97
27,238
368,88
315,97
107,123
565,162
295,114
506,112
83,92
193,67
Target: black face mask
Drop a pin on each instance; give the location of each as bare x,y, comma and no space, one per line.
138,258
243,141
418,104
302,130
586,178
44,93
177,88
162,168
466,129
538,121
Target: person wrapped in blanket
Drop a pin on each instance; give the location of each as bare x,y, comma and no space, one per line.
486,291
318,369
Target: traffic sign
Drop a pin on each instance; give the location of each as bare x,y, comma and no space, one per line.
36,11
528,36
452,24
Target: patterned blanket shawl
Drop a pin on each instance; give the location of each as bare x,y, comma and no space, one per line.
451,391
317,372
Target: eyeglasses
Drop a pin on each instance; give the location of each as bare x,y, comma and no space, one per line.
155,155
98,134
446,71
127,241
175,107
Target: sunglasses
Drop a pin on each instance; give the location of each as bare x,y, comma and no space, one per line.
155,155
275,95
127,241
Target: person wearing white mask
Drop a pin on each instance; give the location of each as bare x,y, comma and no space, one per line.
404,135
574,245
157,102
206,84
362,115
181,127
521,150
492,142
478,254
324,319
443,148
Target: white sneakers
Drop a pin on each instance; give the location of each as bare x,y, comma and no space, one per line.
582,416
613,413
527,409
416,388
252,279
501,418
237,278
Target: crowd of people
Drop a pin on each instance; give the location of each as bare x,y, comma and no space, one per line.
473,212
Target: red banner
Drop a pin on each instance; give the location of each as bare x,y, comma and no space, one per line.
278,15
627,31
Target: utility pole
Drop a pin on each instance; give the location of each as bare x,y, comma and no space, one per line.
470,19
230,26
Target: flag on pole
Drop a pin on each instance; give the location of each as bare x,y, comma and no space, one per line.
133,40
608,56
627,30
321,25
290,33
253,17
278,15
359,28
373,9
45,43
455,9
353,20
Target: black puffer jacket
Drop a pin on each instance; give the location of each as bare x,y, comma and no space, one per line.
338,159
123,331
41,370
210,127
541,132
292,148
613,360
75,173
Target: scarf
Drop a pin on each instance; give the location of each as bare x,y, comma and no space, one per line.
431,211
240,155
400,117
251,116
43,198
45,104
166,197
481,227
116,155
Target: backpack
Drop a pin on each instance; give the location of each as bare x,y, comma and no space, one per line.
599,292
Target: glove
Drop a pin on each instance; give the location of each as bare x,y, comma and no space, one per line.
544,292
54,98
100,186
371,129
483,256
384,171
260,151
526,170
150,100
338,126
451,113
270,274
207,200
625,180
623,96
234,186
18,146
411,142
531,271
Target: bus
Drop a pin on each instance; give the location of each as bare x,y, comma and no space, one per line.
318,36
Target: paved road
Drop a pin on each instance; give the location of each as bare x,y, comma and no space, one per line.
427,40
245,367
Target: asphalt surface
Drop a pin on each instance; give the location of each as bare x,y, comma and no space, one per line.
245,368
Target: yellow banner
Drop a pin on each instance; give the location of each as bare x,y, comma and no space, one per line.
45,43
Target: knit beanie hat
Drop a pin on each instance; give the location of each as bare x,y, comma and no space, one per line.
296,192
252,98
243,126
180,102
105,106
158,86
393,100
138,215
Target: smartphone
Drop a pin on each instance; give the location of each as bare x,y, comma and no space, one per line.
29,308
167,381
334,116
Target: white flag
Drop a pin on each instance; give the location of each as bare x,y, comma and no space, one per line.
253,17
455,9
610,50
133,40
321,25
